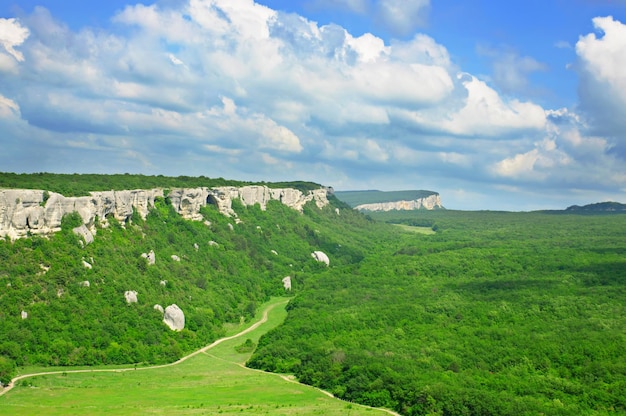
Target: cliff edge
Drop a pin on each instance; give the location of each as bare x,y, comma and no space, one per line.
26,212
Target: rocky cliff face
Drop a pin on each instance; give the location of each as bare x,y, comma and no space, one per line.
24,211
430,202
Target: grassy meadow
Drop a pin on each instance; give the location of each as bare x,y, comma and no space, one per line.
214,382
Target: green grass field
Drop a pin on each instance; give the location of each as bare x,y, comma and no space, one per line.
413,229
213,382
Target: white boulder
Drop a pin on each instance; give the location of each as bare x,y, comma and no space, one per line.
287,282
159,308
84,283
174,318
321,257
87,265
84,232
131,296
213,244
24,314
175,257
150,257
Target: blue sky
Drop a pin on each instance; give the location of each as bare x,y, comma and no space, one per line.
515,105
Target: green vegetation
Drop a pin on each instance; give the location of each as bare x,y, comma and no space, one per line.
498,313
211,383
82,184
355,198
71,322
491,313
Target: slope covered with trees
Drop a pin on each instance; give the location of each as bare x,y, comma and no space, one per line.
497,313
224,269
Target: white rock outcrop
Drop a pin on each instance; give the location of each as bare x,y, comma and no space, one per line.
150,257
84,232
24,211
174,318
175,257
430,202
87,265
287,282
131,296
159,308
321,257
84,283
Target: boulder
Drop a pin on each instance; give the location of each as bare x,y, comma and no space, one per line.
150,257
274,252
321,257
287,282
24,314
163,282
131,296
84,283
196,246
175,257
159,308
87,265
174,318
213,244
84,232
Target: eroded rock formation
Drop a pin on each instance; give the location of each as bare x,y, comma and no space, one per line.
321,257
174,318
25,211
430,202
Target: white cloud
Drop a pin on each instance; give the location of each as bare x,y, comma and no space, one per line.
602,60
510,70
484,113
235,89
605,58
403,16
8,108
12,34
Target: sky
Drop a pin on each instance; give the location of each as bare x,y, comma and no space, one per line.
509,105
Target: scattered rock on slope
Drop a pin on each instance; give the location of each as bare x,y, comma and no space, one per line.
321,257
131,296
174,318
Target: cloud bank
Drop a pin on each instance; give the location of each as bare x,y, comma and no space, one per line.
235,89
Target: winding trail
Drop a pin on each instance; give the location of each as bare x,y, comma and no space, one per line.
202,350
121,370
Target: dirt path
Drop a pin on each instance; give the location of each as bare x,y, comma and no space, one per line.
120,370
202,350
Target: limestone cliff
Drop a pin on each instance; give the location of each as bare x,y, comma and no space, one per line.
37,212
430,202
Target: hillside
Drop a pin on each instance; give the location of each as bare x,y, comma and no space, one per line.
390,200
63,300
493,313
600,207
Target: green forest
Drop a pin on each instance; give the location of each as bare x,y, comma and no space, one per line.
495,313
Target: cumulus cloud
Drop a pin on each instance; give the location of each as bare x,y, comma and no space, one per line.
602,59
483,113
234,89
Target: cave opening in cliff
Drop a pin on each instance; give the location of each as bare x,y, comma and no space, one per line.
211,200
